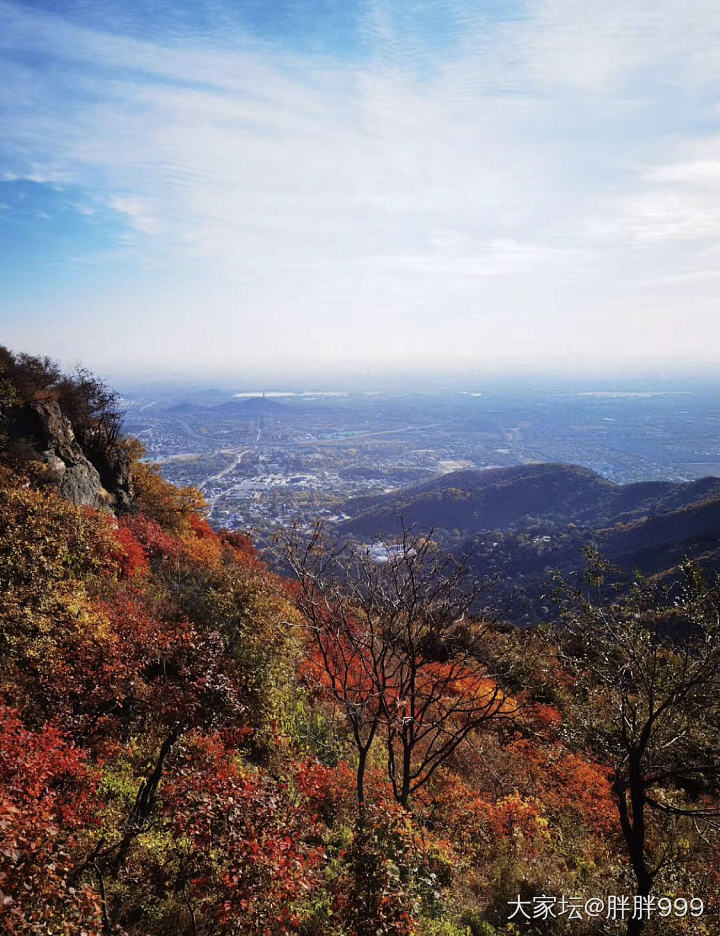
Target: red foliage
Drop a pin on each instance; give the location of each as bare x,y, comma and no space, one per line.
242,548
263,860
126,666
46,800
545,719
166,667
201,528
329,791
130,557
158,544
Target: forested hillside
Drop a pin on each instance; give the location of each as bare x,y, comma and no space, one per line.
509,498
191,744
520,524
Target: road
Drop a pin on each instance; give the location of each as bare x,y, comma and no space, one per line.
226,471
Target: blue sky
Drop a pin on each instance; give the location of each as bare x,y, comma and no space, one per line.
251,186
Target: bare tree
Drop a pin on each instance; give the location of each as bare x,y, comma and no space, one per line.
647,682
391,640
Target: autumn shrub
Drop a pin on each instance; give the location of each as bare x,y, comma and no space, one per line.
48,803
126,550
172,507
389,873
249,854
158,545
327,790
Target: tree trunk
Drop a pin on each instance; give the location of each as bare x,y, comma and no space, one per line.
633,827
360,780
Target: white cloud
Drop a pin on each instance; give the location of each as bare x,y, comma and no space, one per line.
137,210
679,201
537,189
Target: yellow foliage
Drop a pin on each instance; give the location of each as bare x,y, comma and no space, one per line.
172,507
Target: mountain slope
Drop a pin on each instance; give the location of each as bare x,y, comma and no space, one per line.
519,524
664,539
505,498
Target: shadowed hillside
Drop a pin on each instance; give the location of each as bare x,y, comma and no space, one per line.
503,498
520,524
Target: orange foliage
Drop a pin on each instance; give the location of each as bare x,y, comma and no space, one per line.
565,782
475,822
334,661
201,546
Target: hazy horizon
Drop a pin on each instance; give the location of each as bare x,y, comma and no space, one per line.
365,188
296,384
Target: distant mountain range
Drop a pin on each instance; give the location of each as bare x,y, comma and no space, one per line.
243,407
252,406
502,498
519,523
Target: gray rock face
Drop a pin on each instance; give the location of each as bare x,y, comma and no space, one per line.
116,477
95,472
77,480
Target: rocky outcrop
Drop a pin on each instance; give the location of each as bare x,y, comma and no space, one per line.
75,477
115,476
42,423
